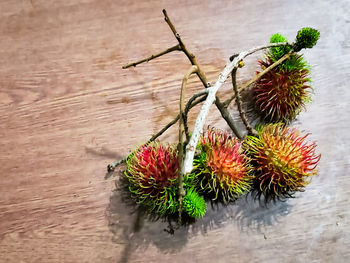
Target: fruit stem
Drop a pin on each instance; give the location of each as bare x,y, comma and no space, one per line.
182,125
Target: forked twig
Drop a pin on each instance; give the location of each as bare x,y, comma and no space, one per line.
189,105
239,104
210,95
198,128
171,49
182,124
189,55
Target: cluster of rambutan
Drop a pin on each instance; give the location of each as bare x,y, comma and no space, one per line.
276,163
221,172
283,161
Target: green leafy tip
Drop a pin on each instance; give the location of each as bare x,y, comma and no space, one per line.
193,204
295,62
277,52
306,38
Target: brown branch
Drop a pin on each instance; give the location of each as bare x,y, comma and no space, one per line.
183,119
182,124
189,55
251,51
182,47
221,106
239,104
224,112
200,121
202,96
189,105
171,49
257,77
111,167
228,118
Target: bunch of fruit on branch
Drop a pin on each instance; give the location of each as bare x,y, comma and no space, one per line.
273,160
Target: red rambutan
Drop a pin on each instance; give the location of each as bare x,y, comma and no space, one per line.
152,171
222,167
282,92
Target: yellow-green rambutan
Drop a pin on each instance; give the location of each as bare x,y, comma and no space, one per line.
283,160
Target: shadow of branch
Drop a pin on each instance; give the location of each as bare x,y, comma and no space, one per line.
103,152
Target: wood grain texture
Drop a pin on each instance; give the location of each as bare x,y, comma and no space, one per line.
67,109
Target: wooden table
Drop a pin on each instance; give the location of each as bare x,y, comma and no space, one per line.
67,109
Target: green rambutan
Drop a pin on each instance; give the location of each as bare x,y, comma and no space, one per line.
307,37
283,161
222,168
282,93
193,204
275,53
152,171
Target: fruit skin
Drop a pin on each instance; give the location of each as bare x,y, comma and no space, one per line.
282,93
283,161
221,168
152,171
307,37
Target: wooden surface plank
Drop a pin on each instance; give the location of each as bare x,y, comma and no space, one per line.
67,109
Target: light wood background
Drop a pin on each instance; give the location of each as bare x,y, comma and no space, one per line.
67,109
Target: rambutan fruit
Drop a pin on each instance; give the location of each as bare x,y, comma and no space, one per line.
152,171
193,204
307,37
222,168
283,161
282,92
